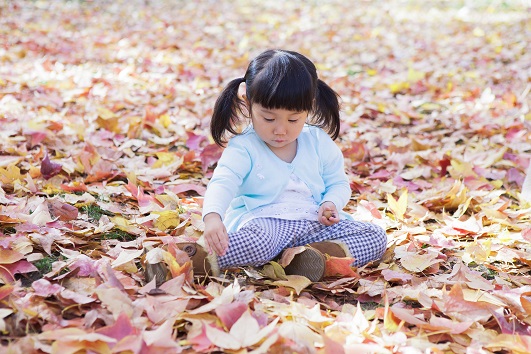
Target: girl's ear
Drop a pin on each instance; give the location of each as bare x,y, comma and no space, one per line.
247,105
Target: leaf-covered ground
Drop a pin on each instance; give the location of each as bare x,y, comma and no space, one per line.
104,156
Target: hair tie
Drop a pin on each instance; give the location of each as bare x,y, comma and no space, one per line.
242,79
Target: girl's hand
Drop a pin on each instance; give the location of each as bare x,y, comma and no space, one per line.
216,237
328,214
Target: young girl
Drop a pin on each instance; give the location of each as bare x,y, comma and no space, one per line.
281,182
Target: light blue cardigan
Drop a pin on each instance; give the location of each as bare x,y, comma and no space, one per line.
250,175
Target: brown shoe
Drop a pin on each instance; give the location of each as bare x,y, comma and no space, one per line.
310,263
201,261
333,249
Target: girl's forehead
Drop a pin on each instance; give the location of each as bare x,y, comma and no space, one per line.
275,110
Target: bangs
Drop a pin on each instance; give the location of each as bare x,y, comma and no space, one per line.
283,83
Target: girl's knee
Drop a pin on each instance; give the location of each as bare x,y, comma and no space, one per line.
253,243
380,237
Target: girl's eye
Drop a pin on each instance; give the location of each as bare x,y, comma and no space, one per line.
293,120
268,119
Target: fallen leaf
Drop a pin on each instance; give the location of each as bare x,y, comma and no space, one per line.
398,207
336,266
297,282
49,169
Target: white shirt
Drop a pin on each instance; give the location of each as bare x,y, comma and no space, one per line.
295,203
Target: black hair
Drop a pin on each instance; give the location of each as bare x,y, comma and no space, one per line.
277,79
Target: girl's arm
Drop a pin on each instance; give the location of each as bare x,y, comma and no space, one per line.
228,176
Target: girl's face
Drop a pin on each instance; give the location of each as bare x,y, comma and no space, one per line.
278,128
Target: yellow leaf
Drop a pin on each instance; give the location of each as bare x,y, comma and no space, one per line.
414,75
168,219
105,113
399,87
273,270
391,322
477,252
418,262
10,174
164,159
125,225
461,169
108,120
297,282
398,207
165,120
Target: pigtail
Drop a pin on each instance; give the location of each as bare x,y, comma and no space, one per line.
326,109
227,110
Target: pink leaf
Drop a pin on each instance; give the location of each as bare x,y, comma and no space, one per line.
48,168
64,211
526,234
230,313
201,343
86,265
210,155
21,267
194,141
185,187
44,288
119,329
400,277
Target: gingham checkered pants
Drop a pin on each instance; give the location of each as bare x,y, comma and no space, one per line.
262,239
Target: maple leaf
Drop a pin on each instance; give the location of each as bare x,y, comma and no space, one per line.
336,266
230,313
48,168
456,306
399,207
297,282
244,333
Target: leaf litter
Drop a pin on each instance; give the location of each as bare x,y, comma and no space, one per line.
105,155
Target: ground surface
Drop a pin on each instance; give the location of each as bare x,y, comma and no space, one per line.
104,156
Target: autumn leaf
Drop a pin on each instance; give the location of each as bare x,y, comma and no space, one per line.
167,219
244,333
398,207
274,270
296,282
10,174
342,267
105,152
48,168
419,262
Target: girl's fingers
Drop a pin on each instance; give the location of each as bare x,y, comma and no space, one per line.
220,243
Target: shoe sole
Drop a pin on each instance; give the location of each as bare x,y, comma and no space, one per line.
310,264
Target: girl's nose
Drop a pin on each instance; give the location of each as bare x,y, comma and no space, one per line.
279,129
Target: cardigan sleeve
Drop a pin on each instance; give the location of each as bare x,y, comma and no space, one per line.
337,186
233,166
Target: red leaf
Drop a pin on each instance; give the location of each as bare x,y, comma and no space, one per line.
48,168
336,266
